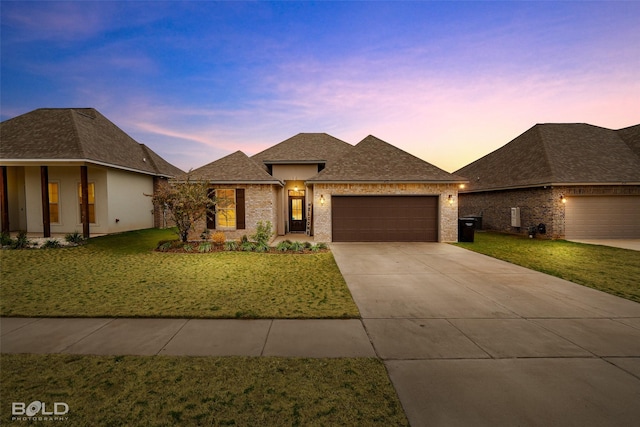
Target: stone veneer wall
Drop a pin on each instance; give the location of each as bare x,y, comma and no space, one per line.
448,213
260,205
537,205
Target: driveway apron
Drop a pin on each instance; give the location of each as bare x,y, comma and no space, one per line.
471,340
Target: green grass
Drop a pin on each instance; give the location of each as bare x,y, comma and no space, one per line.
121,276
164,391
612,270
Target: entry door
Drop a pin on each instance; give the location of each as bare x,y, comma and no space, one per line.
296,211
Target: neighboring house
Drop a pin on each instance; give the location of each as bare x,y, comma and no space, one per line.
580,181
66,170
316,184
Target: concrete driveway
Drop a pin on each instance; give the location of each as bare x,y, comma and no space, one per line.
469,340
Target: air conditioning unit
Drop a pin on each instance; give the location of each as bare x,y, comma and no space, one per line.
515,217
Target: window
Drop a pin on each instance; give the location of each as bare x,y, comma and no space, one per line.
226,209
54,202
92,202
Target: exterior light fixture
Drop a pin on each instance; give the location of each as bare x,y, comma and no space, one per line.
563,199
295,188
321,200
462,186
450,199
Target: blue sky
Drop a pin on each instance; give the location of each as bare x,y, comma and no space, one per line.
446,81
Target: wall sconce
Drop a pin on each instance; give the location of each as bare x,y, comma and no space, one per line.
450,199
295,188
321,200
562,198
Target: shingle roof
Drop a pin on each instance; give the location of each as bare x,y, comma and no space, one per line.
234,168
374,160
304,148
631,136
77,134
557,154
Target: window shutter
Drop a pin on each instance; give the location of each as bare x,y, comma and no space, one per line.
211,215
240,209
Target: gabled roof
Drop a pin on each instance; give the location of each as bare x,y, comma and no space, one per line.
77,134
234,168
304,148
549,154
374,160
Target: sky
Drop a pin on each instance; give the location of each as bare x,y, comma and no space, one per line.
448,82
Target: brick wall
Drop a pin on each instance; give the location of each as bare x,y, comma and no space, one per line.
537,205
260,205
448,221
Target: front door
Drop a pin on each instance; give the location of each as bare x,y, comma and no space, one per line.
296,211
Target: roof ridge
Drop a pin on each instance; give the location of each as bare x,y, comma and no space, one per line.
81,148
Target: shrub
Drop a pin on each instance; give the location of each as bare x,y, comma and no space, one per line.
261,247
263,233
314,248
231,245
51,244
21,242
218,238
204,247
165,245
322,246
247,246
187,247
296,246
244,239
283,246
308,245
75,238
5,239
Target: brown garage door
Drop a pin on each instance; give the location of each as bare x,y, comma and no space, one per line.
384,218
602,217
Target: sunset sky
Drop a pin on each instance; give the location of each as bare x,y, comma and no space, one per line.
446,81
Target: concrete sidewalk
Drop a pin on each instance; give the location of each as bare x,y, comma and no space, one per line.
186,337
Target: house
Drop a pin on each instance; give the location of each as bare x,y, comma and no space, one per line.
71,169
580,181
316,184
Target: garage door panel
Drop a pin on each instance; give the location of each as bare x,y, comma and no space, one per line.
384,218
602,217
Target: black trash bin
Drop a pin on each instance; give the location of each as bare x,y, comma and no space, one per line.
466,229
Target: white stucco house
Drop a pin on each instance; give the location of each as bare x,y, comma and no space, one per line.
71,169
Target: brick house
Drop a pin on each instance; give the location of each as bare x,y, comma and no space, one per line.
316,184
71,169
581,181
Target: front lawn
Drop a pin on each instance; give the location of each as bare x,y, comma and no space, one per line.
166,391
612,270
121,276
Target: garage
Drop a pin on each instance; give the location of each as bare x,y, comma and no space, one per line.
384,218
602,217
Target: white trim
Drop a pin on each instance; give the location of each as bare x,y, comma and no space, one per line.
550,185
74,162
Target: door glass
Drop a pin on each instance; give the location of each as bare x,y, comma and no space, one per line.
296,209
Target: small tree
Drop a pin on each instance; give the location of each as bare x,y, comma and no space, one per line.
187,202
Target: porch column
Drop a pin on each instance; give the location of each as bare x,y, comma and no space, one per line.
84,208
44,190
4,199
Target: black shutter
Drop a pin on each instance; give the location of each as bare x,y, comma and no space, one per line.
211,214
240,225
